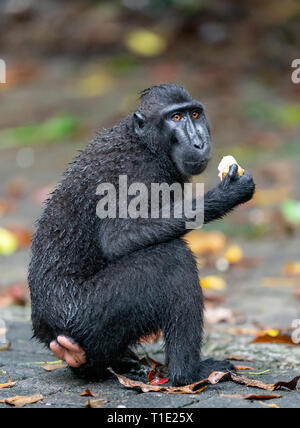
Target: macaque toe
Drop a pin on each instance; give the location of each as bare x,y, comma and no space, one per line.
67,350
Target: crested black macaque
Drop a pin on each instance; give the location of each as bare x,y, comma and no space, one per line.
103,283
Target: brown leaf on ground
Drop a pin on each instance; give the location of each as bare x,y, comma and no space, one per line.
213,282
292,385
8,384
205,242
252,396
280,339
292,268
52,367
95,404
22,400
239,358
193,388
237,367
88,393
251,382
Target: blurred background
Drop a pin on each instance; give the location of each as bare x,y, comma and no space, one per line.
76,66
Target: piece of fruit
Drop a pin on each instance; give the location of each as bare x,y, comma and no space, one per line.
225,165
8,242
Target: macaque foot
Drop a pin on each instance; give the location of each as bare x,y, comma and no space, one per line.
67,350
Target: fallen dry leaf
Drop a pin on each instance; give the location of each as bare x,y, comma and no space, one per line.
213,282
292,268
239,358
244,368
95,404
234,254
252,396
22,400
292,385
280,339
8,384
52,367
193,388
205,242
88,393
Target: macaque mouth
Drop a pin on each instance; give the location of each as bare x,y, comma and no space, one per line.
199,163
195,167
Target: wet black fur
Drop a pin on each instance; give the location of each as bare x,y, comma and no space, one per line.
106,283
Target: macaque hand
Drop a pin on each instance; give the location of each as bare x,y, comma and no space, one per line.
238,188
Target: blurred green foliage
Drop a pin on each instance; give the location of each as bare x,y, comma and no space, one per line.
54,129
265,111
180,4
291,211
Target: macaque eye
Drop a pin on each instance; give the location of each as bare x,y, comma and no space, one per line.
177,117
195,114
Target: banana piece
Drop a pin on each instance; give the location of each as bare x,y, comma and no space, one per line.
225,165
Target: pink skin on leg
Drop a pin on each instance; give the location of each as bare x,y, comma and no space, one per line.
64,349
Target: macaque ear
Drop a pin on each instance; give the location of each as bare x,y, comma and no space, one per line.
138,122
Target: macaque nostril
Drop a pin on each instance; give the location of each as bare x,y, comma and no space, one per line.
197,146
